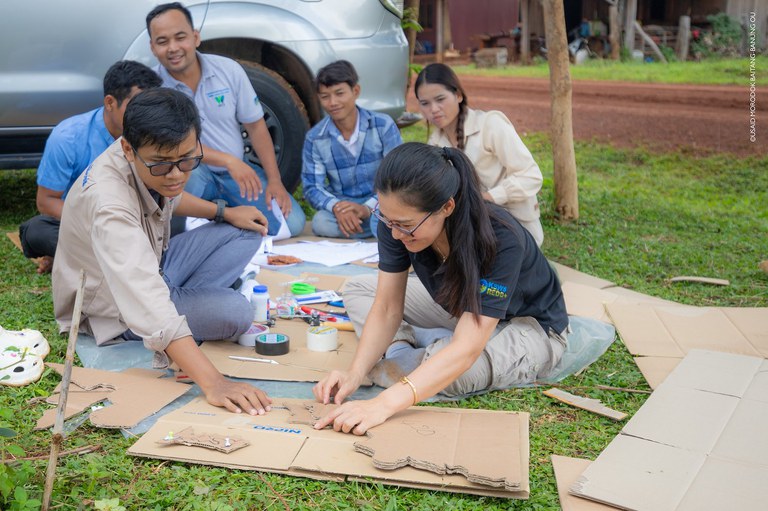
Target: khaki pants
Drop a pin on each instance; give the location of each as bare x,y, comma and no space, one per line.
518,352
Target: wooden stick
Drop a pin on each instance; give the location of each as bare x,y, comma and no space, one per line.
58,426
80,450
598,387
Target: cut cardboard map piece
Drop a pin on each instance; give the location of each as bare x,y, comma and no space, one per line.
448,444
308,412
698,443
279,446
215,441
137,394
300,364
567,470
585,403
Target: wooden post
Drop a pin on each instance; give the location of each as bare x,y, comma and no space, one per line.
525,32
683,37
58,425
614,29
650,42
439,34
629,25
566,185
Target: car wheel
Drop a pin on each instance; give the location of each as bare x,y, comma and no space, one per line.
286,120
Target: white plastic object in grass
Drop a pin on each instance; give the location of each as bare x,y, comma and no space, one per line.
21,356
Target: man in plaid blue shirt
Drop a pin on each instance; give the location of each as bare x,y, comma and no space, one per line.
341,155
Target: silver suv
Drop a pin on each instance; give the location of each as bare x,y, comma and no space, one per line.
54,53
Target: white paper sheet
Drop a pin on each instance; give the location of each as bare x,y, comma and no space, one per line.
329,253
283,232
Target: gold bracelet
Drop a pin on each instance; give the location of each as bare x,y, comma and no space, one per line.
406,381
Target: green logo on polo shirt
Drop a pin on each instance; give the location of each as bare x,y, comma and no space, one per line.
493,289
219,100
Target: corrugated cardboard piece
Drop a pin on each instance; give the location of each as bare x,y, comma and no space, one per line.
299,364
278,445
659,336
567,470
698,443
135,394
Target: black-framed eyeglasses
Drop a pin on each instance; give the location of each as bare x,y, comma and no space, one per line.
162,168
392,225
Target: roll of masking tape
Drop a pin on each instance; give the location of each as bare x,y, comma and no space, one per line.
272,344
322,338
249,337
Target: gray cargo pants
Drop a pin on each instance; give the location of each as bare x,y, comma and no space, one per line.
518,352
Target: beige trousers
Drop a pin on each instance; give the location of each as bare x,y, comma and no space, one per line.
518,352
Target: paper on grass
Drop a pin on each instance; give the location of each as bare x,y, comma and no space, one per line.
328,253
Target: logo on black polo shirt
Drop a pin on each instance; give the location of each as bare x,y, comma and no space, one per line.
493,289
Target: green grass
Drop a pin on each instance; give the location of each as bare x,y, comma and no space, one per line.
645,217
706,72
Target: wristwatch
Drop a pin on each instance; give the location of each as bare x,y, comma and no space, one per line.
220,205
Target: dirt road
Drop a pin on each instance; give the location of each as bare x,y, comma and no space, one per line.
700,119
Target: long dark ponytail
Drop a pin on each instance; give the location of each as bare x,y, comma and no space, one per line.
426,177
441,74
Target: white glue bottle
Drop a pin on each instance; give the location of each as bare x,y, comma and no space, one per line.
260,304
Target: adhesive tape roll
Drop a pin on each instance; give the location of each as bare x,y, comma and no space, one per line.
249,337
272,344
322,338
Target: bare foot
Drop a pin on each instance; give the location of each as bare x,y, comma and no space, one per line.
44,264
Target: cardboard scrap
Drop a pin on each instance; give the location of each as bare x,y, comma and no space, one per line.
280,446
585,403
308,412
698,443
589,301
567,470
221,443
134,394
448,444
300,364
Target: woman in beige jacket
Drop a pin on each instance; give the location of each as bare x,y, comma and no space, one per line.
507,171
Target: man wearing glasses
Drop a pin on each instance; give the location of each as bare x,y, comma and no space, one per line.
140,284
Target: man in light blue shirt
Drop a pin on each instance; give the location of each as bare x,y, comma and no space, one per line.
341,155
226,99
72,146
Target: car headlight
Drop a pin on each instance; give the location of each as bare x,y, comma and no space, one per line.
394,6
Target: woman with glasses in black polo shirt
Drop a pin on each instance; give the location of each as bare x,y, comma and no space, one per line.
477,272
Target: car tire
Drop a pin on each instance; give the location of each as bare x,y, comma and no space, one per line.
286,118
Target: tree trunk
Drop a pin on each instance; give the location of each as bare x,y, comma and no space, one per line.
629,25
410,32
566,185
525,32
683,38
439,31
614,33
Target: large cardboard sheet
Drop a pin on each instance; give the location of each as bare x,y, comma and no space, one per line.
278,445
659,331
567,471
697,443
589,301
299,364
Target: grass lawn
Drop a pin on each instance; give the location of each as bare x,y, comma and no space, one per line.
706,72
645,217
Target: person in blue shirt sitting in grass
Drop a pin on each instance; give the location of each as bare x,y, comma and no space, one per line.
341,155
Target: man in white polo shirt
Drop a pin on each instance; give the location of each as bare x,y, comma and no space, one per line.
225,98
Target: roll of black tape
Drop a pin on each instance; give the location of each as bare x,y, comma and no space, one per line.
272,344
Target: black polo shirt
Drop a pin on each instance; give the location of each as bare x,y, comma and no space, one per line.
520,283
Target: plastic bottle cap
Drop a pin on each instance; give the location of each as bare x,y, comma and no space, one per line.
260,289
